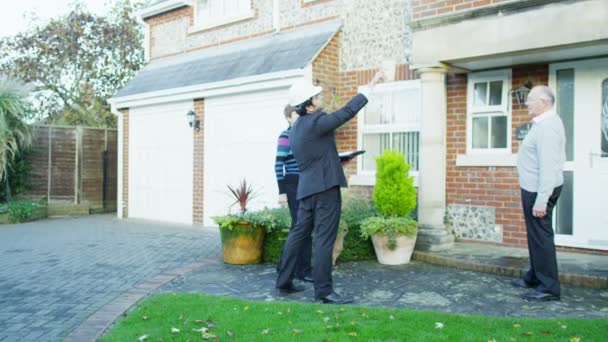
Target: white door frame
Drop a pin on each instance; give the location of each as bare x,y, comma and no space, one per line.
581,155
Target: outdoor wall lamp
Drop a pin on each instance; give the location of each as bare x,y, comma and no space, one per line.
521,93
194,124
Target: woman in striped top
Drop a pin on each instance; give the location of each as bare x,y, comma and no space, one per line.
288,174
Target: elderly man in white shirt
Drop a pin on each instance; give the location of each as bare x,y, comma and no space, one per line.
540,165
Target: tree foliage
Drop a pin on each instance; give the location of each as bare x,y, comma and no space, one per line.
77,61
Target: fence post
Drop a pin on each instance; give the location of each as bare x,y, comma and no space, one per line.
78,166
50,166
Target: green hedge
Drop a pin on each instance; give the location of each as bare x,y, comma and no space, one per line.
23,211
354,210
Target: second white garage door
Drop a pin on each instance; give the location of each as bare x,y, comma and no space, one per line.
241,133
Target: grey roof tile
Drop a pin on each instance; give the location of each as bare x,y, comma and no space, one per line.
277,52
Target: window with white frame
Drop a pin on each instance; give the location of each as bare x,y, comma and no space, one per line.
390,120
210,13
489,117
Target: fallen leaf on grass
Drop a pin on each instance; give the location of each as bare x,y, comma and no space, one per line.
201,330
329,327
142,338
210,323
575,339
439,325
288,310
229,333
198,321
209,336
391,317
325,319
354,334
246,308
545,332
353,322
265,331
145,318
297,331
564,327
319,312
528,333
492,340
279,313
174,331
516,325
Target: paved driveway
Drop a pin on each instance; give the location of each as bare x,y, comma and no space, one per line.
55,273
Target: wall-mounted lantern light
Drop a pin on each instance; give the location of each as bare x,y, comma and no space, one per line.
194,124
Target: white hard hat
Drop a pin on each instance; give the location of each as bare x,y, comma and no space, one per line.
301,91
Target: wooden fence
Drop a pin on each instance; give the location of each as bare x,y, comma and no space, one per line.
74,165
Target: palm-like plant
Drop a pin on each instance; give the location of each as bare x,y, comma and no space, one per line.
15,134
243,193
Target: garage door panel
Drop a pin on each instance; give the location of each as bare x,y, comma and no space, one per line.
160,163
240,142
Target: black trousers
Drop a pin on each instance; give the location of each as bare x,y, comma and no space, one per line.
319,212
541,245
303,265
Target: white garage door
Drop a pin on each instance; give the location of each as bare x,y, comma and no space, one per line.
160,163
241,133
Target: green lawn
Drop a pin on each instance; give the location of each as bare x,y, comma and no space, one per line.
229,319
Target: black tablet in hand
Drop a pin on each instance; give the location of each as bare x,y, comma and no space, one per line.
346,156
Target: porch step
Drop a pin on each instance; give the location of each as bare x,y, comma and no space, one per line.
578,269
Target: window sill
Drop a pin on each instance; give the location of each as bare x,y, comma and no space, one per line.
509,159
221,22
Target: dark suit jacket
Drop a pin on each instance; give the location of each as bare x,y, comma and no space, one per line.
313,144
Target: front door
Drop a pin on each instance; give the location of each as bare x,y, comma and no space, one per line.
581,218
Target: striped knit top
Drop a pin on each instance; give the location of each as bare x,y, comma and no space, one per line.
285,166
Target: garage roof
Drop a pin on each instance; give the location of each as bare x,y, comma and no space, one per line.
281,51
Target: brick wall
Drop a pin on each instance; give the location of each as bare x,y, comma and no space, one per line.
428,8
487,186
125,163
198,164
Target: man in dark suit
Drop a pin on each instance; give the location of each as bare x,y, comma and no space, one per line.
313,144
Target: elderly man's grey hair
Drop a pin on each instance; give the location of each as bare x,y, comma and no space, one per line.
544,92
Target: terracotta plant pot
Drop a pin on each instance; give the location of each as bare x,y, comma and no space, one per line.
243,244
402,254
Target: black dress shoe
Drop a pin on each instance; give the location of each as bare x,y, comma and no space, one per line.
307,278
521,283
539,296
290,289
334,298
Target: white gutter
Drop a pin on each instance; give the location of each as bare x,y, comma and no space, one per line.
162,7
205,90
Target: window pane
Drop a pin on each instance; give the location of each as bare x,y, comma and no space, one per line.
499,132
605,118
373,110
480,132
496,93
565,107
374,145
480,94
563,208
406,106
407,143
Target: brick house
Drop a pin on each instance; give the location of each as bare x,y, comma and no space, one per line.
231,63
452,110
503,45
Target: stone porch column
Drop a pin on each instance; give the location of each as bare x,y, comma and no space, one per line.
432,234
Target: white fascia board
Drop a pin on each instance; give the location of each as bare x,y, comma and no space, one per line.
162,8
238,85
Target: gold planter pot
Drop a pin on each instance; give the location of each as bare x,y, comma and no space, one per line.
243,244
